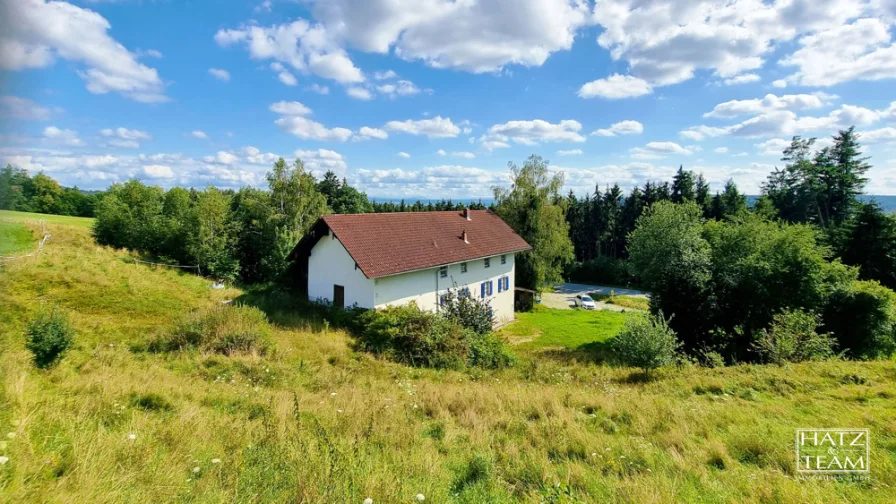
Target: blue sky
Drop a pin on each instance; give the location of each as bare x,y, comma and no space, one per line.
432,98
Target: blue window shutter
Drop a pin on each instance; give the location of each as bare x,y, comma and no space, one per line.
507,283
500,284
483,289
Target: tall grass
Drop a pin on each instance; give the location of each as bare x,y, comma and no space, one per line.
317,421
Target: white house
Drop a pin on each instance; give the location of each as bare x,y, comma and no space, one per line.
376,260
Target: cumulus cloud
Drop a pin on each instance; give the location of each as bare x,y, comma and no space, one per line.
450,181
199,134
156,171
399,88
861,50
787,123
478,37
741,79
571,152
292,120
621,128
317,88
124,138
615,87
35,33
404,155
657,150
535,131
367,132
720,150
320,161
770,102
385,75
290,108
359,93
305,47
436,127
220,74
62,136
779,83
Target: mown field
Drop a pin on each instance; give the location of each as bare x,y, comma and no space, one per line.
318,421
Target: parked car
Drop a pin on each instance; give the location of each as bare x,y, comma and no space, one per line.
585,301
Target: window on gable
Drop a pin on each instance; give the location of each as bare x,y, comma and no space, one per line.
443,271
503,259
487,262
463,267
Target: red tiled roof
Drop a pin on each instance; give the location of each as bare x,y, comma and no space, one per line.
388,243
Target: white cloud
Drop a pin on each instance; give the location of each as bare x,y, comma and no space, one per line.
321,161
862,50
222,157
692,135
882,135
615,87
152,53
450,181
220,74
773,147
301,45
621,128
787,123
479,37
199,134
436,127
155,171
720,150
780,83
359,93
404,155
666,41
441,152
770,103
63,136
657,150
23,108
495,144
571,152
284,75
290,108
741,79
386,75
538,130
463,154
34,33
124,138
317,88
366,133
400,88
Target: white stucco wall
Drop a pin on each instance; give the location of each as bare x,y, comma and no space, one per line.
425,286
329,265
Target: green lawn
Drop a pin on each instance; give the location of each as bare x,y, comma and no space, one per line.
14,238
573,329
8,215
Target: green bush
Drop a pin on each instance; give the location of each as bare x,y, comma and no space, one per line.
792,337
221,329
646,342
413,336
467,311
862,316
48,337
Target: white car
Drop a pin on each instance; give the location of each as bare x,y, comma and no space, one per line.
585,301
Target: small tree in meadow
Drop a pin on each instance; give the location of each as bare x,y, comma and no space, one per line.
48,337
792,337
473,313
646,342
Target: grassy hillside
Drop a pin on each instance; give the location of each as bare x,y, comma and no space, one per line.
319,422
9,215
15,238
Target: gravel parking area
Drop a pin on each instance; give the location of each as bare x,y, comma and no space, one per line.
564,296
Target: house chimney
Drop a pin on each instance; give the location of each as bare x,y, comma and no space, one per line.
465,237
467,213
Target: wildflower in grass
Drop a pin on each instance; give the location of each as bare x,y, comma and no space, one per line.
368,501
4,460
216,461
11,435
196,469
332,394
132,436
420,497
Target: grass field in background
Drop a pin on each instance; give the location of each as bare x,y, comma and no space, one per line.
9,215
631,302
571,329
15,238
319,421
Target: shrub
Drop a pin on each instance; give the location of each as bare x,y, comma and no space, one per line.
646,342
862,316
792,337
413,336
467,311
221,329
48,337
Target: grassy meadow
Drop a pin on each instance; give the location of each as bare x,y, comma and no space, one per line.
16,238
317,421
